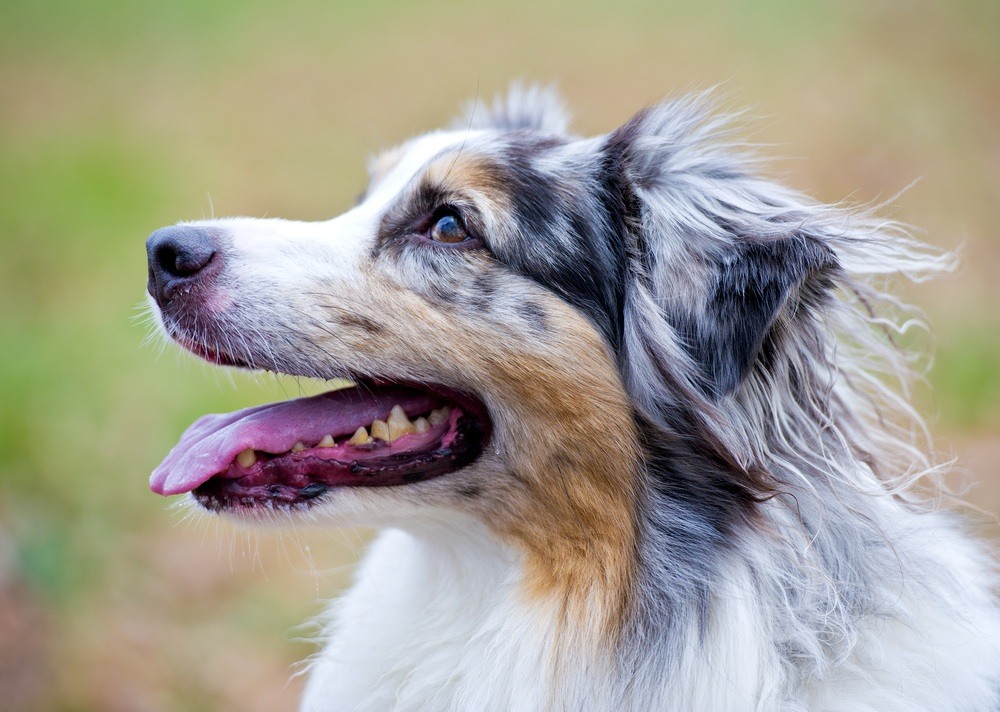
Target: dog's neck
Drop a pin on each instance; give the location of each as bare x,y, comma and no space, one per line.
523,602
440,612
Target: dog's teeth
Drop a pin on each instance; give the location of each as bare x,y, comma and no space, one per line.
298,446
421,425
398,415
246,459
360,437
380,430
327,441
399,424
439,415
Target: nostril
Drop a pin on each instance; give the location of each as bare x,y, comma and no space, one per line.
179,262
166,258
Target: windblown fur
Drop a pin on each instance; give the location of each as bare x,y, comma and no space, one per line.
703,492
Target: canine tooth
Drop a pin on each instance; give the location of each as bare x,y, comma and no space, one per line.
360,437
327,441
380,430
399,424
398,415
298,446
247,458
439,415
421,425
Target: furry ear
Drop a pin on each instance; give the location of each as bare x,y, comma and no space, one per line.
754,284
531,107
724,254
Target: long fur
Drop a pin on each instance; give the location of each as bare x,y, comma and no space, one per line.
707,486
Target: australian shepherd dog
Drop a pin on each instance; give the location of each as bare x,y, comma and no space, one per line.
629,414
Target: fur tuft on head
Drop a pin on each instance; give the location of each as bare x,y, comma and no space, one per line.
531,107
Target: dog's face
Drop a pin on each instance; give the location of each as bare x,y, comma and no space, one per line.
448,291
530,302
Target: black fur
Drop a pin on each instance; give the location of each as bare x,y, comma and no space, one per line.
565,242
754,283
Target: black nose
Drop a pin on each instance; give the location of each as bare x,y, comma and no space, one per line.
177,258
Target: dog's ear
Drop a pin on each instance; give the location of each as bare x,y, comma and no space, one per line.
757,283
725,259
531,107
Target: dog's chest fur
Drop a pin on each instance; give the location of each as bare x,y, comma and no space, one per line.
437,620
433,624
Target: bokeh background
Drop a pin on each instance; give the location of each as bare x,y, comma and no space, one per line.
120,116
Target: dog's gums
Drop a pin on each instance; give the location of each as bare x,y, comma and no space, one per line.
290,453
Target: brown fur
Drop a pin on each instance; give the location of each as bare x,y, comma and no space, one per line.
569,510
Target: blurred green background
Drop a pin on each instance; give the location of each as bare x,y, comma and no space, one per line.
118,117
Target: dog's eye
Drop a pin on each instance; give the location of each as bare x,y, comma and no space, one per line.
449,228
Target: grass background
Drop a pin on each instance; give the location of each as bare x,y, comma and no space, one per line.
118,117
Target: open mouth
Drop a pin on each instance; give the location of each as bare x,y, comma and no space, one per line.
289,454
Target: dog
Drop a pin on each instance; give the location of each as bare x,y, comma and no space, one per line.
626,411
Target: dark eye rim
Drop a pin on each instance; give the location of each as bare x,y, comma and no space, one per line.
426,226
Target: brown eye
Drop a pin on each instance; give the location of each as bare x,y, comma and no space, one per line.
448,228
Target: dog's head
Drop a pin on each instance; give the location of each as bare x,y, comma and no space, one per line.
565,324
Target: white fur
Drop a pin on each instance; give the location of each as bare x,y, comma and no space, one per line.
434,622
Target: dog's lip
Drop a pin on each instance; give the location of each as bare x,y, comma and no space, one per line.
210,444
219,358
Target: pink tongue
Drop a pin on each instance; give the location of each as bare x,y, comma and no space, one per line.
210,444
